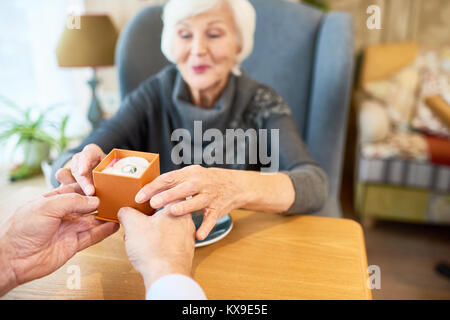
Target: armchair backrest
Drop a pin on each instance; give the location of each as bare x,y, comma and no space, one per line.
304,54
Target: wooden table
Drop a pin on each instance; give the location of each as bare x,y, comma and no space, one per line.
265,256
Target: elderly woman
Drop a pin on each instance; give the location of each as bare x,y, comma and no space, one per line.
206,40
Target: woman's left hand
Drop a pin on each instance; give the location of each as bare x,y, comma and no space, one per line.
214,191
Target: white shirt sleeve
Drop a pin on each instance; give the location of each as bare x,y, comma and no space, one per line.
175,287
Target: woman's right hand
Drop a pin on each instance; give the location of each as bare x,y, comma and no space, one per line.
79,168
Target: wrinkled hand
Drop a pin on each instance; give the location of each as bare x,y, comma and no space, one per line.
214,191
158,245
43,234
79,168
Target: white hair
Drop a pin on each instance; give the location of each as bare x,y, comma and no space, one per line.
177,10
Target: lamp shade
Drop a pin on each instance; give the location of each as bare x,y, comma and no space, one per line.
90,45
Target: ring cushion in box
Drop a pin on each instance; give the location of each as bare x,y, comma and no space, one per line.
117,191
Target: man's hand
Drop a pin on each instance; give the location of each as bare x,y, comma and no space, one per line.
158,245
43,234
79,168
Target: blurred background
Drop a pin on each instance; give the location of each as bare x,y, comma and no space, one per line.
396,175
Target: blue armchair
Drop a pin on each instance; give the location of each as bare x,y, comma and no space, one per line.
301,52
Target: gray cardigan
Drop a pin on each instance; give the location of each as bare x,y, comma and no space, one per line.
149,115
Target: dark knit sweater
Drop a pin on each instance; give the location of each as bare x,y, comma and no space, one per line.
149,115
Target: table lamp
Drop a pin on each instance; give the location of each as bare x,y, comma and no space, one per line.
90,45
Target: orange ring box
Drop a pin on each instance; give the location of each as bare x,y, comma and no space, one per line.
115,191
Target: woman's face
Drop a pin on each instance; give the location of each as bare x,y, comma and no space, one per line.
206,47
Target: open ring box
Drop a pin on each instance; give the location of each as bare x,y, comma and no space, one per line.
117,191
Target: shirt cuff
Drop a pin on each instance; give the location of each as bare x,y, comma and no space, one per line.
175,287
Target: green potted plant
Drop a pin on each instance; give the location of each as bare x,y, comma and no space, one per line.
321,4
32,135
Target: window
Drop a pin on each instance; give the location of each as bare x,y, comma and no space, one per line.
29,74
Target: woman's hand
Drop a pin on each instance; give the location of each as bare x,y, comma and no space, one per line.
214,191
79,168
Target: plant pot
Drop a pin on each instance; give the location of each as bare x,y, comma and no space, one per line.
34,152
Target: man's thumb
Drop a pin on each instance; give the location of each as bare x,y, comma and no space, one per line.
129,216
